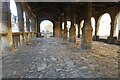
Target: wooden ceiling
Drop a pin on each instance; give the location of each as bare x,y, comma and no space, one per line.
53,10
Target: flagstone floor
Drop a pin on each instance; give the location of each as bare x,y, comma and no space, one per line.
53,58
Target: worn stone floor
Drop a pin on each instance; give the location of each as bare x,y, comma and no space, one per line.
53,58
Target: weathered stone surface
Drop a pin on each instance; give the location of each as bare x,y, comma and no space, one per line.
41,67
45,60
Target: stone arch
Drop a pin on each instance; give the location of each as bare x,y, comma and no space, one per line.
46,28
102,30
116,24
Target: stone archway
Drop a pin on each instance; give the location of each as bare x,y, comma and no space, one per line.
104,26
117,26
46,28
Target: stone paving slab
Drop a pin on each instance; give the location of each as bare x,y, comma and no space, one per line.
51,58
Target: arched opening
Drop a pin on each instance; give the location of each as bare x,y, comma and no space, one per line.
14,16
93,25
81,25
117,30
46,28
104,26
68,27
30,25
24,16
76,29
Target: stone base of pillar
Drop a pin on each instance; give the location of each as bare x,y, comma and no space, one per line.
6,47
95,38
65,39
117,42
38,34
111,39
72,40
72,36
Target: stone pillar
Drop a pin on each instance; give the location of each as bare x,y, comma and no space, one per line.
119,35
57,29
27,36
0,47
96,37
28,23
86,42
20,22
7,41
10,32
23,31
60,27
24,34
0,29
38,28
54,29
35,27
72,37
78,23
110,38
65,28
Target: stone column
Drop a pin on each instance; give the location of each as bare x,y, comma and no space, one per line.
6,24
35,25
110,38
96,37
0,47
0,29
119,35
38,28
27,35
60,27
28,22
65,28
57,29
78,23
20,21
23,30
86,42
72,37
10,32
